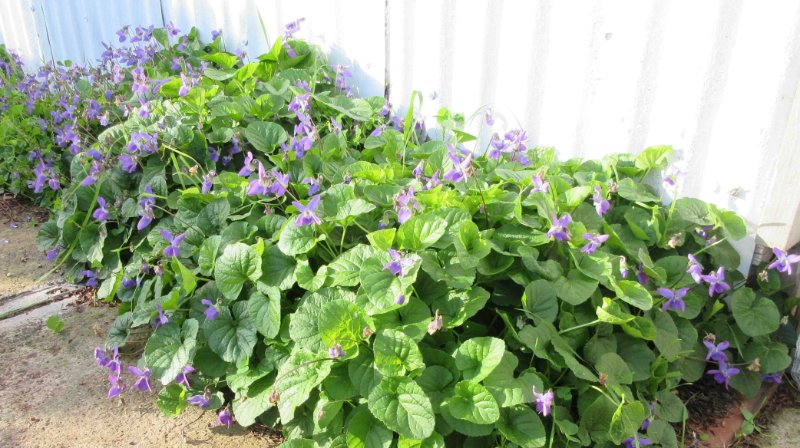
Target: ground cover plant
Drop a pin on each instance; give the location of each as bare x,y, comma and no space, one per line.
312,261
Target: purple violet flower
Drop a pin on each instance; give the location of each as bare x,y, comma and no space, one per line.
260,185
674,299
401,299
399,263
776,378
249,166
463,166
174,247
641,276
716,282
716,352
600,205
594,242
630,442
544,401
162,318
307,215
695,269
142,378
128,283
279,184
91,279
559,229
100,213
783,261
182,377
623,267
405,204
211,311
723,373
539,184
225,418
146,212
199,400
313,185
336,351
417,171
117,386
433,181
207,184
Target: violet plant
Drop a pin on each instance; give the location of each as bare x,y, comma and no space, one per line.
315,262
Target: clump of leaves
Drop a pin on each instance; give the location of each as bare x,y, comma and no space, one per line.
311,261
55,323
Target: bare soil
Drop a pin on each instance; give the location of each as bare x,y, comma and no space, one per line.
21,263
52,394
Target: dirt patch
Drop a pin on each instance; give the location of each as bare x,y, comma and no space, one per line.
53,395
778,422
21,263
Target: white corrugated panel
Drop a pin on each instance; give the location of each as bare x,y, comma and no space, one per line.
18,30
716,79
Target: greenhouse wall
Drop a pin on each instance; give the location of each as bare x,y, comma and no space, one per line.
718,80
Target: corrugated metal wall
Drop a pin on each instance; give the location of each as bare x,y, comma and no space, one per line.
716,79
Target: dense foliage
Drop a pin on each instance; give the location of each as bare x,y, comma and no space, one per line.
308,260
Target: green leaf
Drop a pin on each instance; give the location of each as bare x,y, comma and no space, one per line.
237,264
396,353
55,324
434,441
265,136
521,425
773,356
170,348
232,334
642,328
345,270
296,240
667,338
626,421
188,279
380,288
733,226
343,322
575,288
614,368
207,256
477,357
636,192
653,158
382,239
458,306
364,431
265,312
249,407
473,402
297,377
470,245
507,389
363,374
403,407
421,232
539,301
634,294
754,315
612,313
693,211
670,407
278,269
172,400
